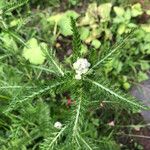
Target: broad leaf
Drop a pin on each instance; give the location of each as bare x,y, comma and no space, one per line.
121,29
104,11
119,11
84,32
96,43
9,42
65,24
34,52
136,10
63,21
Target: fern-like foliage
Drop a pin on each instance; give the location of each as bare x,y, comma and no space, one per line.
50,142
116,95
107,55
76,42
10,6
42,92
75,123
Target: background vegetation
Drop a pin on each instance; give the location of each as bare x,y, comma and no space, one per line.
30,102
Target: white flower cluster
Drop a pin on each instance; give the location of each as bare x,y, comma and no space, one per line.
81,66
58,125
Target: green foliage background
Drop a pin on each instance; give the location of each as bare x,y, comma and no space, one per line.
37,77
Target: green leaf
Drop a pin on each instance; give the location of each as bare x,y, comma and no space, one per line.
126,85
73,2
127,16
113,51
91,10
148,12
146,37
148,51
84,32
2,4
118,20
90,17
144,47
146,27
136,10
118,95
9,42
71,13
132,25
108,67
55,18
124,78
84,49
86,20
119,11
96,43
1,70
63,21
34,52
16,22
10,6
65,24
117,65
76,41
16,36
145,65
121,29
142,76
104,11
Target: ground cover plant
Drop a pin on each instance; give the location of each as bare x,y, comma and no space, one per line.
102,30
55,100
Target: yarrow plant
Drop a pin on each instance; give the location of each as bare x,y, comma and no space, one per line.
34,106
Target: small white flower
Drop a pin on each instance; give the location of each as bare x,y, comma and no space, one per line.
58,125
81,66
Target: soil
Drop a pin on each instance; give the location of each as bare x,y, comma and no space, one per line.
142,92
145,141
